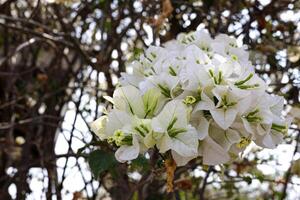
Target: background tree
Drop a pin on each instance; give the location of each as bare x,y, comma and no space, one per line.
59,58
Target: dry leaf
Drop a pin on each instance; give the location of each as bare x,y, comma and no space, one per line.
167,10
77,196
296,167
42,77
183,184
170,165
294,54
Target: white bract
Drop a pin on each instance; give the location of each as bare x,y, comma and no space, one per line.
194,97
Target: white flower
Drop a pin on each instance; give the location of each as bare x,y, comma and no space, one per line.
199,38
129,99
124,130
194,74
176,133
249,83
130,138
229,104
128,152
105,126
227,46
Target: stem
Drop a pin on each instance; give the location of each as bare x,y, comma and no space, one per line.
202,190
288,174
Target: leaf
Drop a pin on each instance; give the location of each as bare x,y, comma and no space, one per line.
141,163
101,161
248,179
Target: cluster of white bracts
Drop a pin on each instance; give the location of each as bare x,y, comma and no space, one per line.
196,96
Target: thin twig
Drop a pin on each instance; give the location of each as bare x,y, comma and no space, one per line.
202,190
288,174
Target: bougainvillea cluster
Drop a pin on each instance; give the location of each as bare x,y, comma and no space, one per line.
195,96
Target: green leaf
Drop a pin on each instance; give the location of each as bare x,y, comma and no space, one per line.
101,161
248,179
141,163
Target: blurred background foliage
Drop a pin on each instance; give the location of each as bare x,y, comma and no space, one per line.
58,58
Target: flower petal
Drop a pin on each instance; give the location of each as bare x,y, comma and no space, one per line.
181,160
129,98
98,127
125,153
213,154
224,118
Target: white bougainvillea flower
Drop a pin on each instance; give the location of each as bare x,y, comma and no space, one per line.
171,63
174,45
182,160
128,152
197,99
270,135
193,55
149,58
257,113
128,135
228,105
105,126
176,133
130,99
143,67
223,72
194,73
227,46
130,138
199,38
249,83
117,128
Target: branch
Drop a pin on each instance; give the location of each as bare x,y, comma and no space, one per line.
288,174
202,190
